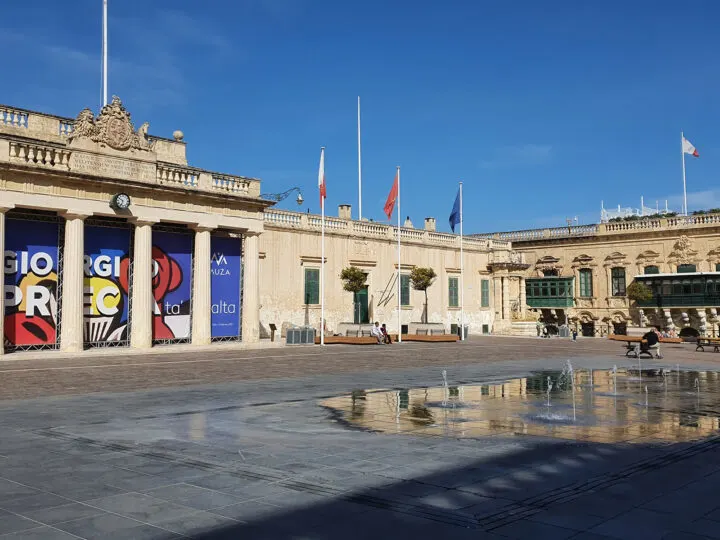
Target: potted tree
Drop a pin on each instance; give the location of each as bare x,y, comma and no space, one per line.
421,280
354,281
639,292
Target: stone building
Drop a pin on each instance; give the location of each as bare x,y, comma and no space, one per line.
110,238
580,274
290,256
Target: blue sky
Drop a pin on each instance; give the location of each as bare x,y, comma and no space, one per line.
543,109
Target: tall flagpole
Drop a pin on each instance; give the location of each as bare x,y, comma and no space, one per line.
359,167
399,266
322,261
105,53
682,151
462,273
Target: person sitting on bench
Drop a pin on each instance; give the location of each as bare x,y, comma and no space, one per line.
386,337
653,342
377,333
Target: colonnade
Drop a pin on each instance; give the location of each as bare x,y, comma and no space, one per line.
142,301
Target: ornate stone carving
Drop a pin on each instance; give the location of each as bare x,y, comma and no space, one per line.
548,263
683,252
113,127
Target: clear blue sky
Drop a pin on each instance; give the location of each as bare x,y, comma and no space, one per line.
543,109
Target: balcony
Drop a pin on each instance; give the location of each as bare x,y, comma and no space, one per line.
696,289
549,292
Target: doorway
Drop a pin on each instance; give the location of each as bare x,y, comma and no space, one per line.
361,307
588,329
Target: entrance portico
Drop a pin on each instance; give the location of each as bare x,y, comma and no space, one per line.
81,268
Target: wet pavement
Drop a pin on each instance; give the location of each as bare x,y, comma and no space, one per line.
271,457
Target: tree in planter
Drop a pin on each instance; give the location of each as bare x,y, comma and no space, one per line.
422,279
354,281
639,292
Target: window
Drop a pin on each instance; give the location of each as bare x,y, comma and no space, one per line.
586,288
312,286
453,297
717,267
685,268
652,270
404,289
618,281
485,293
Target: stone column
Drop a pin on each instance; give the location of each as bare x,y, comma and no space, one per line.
497,296
71,333
251,286
523,296
506,297
3,209
142,297
608,272
201,324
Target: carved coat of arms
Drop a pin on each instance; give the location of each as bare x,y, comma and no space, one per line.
112,127
684,252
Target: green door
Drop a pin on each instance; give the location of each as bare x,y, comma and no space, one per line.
361,307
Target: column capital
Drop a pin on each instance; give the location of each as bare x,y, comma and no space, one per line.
202,228
75,214
140,221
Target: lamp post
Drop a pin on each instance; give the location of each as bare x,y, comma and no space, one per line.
277,197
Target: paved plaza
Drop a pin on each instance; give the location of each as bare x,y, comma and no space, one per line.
263,444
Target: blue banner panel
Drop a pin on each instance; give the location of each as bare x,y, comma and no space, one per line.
172,284
31,278
225,282
105,295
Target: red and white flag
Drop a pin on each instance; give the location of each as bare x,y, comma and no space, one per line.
321,177
392,197
688,148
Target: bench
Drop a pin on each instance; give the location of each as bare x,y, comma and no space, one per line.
703,342
637,346
350,340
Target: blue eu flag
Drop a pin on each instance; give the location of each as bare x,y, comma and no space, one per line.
455,216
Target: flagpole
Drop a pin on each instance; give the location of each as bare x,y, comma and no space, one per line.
682,150
359,167
462,273
105,52
322,261
399,265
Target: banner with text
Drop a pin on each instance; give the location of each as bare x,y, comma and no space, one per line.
225,281
105,294
172,284
31,282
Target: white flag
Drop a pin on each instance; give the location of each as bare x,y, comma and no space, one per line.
688,148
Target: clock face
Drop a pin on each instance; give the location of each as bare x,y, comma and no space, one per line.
122,201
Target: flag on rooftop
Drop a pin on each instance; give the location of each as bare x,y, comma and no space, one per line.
321,177
455,216
392,198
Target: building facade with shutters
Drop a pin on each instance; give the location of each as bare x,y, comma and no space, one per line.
581,274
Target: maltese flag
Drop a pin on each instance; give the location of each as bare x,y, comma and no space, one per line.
688,148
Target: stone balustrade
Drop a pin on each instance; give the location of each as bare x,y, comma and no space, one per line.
13,117
230,184
168,175
603,229
39,155
283,219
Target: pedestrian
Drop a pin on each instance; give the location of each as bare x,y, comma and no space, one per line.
386,337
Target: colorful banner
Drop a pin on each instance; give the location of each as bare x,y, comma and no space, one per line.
225,282
172,285
105,295
31,266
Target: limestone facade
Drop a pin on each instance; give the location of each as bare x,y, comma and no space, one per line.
290,260
681,249
79,269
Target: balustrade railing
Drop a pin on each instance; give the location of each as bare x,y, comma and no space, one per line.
39,155
13,117
177,176
278,217
231,184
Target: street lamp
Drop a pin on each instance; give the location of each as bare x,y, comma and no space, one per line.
277,197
